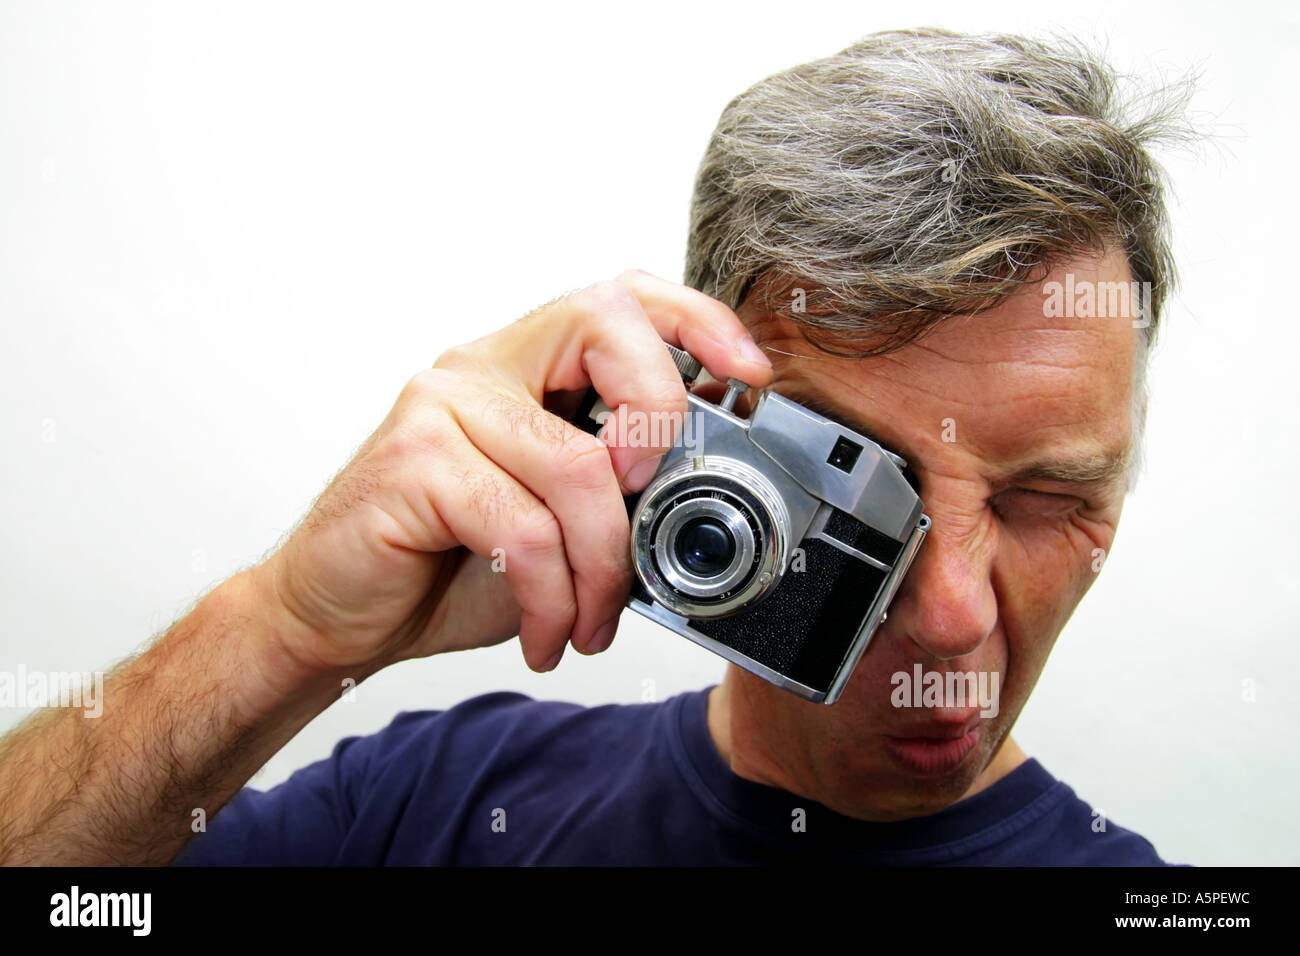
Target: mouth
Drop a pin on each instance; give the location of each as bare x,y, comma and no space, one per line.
935,748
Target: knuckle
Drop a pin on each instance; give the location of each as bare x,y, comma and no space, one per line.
456,357
429,431
421,420
631,278
537,535
426,387
605,297
582,461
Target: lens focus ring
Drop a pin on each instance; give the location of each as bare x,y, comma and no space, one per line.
703,516
707,542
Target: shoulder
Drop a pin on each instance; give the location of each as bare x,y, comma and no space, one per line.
1074,833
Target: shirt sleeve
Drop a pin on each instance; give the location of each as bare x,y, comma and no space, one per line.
301,822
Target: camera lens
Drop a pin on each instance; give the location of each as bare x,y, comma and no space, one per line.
710,540
705,547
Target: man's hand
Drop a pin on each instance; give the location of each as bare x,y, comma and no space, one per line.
471,469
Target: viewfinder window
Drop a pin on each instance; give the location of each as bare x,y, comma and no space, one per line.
845,454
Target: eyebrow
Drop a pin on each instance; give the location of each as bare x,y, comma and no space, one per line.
1091,470
1098,469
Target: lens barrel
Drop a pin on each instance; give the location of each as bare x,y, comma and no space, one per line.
708,542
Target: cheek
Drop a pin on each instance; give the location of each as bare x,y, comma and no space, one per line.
1042,571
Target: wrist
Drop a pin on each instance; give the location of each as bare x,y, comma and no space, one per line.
274,647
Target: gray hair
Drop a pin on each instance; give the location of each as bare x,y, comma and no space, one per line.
921,174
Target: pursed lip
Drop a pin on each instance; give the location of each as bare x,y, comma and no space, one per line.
955,727
935,747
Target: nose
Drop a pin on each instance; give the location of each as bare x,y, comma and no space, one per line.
946,604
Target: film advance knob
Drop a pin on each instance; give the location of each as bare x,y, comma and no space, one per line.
687,364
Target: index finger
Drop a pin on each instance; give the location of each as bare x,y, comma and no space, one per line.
611,335
680,315
701,325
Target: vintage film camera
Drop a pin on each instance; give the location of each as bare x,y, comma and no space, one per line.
776,541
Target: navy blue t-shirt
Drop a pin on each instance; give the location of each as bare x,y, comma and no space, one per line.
505,779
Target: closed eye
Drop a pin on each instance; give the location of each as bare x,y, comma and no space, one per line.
1025,504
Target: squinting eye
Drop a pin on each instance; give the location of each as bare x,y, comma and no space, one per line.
1023,503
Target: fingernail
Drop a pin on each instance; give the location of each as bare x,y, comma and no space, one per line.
550,665
750,352
603,637
639,475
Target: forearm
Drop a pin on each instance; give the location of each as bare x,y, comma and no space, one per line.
183,727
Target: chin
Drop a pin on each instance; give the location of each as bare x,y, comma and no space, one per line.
847,761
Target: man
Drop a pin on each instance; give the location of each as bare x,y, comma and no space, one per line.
929,237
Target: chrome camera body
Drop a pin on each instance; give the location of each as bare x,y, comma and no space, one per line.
776,541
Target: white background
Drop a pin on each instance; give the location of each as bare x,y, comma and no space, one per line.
229,233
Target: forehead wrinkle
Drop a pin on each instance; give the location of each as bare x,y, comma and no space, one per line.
1039,386
1044,389
1032,362
950,401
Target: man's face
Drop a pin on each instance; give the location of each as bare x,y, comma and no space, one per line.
1017,427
